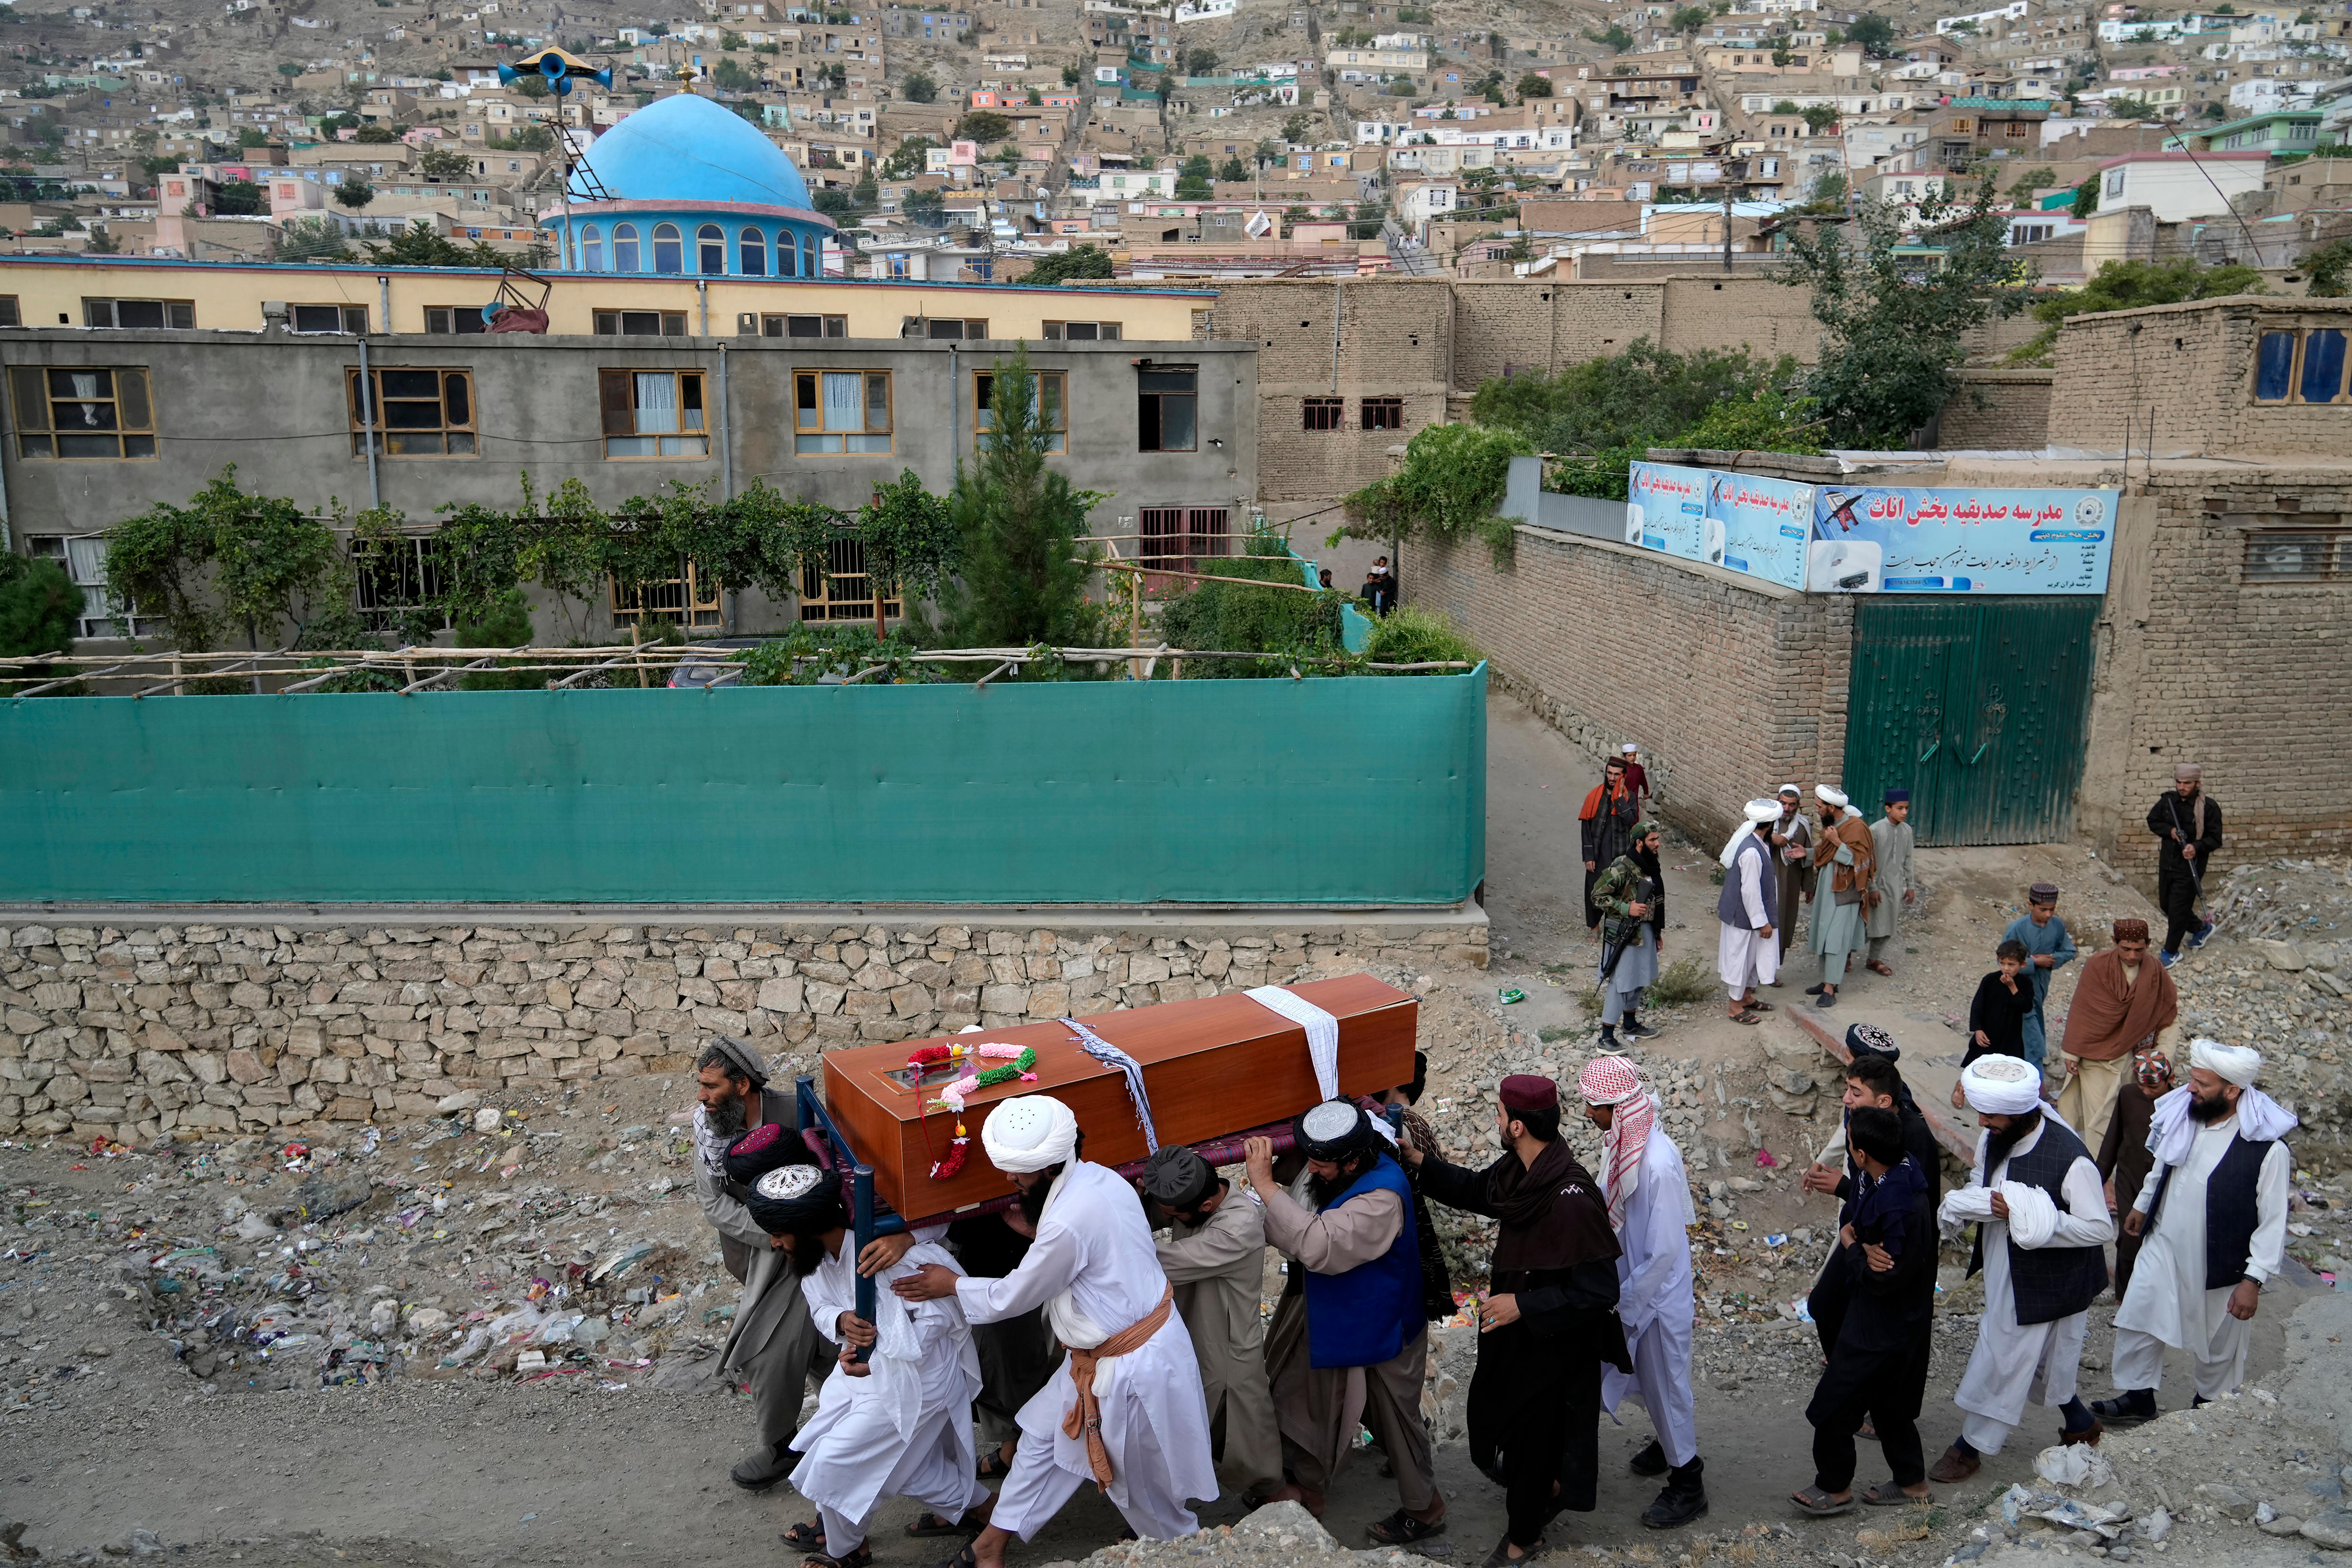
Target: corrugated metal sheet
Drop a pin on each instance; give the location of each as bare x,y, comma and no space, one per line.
1979,706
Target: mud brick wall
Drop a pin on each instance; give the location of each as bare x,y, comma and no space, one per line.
139,1033
1731,688
2191,368
1998,411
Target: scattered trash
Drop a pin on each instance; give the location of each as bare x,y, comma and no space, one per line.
1764,1159
1510,993
2075,1465
1776,1240
1444,1106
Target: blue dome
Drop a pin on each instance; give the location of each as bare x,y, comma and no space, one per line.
689,152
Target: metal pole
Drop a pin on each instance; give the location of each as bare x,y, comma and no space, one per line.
726,439
702,306
1726,225
861,1197
383,298
367,425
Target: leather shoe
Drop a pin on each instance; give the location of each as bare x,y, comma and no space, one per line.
1955,1465
2122,1410
2089,1435
760,1469
1651,1460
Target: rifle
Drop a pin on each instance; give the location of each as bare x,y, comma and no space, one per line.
1645,892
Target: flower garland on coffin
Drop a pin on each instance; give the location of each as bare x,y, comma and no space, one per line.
1019,1060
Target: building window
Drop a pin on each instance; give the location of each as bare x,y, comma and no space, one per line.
943,329
418,413
841,411
690,600
394,578
592,249
753,250
1178,538
331,319
1325,413
804,326
624,247
844,591
710,249
1165,408
653,414
1050,414
640,323
2300,367
809,268
9,315
136,313
83,412
449,320
1082,332
669,250
2298,556
1383,414
84,560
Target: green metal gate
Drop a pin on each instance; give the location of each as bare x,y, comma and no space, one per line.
1980,707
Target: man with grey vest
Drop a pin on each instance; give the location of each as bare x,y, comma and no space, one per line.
2212,1216
1746,951
2042,1227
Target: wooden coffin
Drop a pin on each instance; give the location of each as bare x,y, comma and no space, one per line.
1212,1066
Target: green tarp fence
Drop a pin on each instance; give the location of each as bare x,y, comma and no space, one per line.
1362,790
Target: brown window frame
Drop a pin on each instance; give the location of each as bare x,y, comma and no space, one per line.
2295,397
458,438
808,437
968,329
392,578
783,326
690,600
821,596
615,323
617,408
1155,400
2327,551
983,386
1322,414
1381,414
42,432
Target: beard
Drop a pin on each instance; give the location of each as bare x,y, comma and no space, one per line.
2210,1110
2000,1143
807,1252
1032,1198
726,1118
1323,1190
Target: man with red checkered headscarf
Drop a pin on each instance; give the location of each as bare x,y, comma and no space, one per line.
1650,1209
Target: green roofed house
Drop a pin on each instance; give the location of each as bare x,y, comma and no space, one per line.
2278,132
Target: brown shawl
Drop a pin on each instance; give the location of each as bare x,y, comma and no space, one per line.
1854,833
2107,1019
1550,1215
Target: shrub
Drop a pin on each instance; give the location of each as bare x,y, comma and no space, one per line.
1411,635
507,625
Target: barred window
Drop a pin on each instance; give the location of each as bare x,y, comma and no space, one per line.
844,591
1383,414
2299,555
1326,413
689,601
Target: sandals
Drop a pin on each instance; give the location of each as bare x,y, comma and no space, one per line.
1876,967
806,1536
992,1466
863,1557
932,1524
1745,1015
1820,1504
1501,1556
962,1559
1760,1008
1887,1494
1401,1529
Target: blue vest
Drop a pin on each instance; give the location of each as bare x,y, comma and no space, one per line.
1369,1313
1731,908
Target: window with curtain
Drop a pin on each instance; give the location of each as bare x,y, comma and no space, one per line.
83,412
841,411
754,252
710,248
653,414
1049,408
624,247
669,250
592,249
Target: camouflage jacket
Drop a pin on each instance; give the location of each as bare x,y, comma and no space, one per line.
1612,895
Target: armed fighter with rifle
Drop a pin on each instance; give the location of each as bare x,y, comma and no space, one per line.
1630,896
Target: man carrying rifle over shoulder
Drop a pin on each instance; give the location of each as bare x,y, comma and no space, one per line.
1630,896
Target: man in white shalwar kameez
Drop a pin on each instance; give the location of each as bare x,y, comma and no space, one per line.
1748,953
1643,1177
2212,1219
2042,1227
896,1423
1125,1409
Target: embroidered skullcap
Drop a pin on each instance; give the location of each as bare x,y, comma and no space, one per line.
2183,772
2042,893
743,1061
796,1200
1870,1040
1177,1178
1643,829
1608,1081
1830,795
1895,796
2151,1067
1528,1091
1762,809
2001,1085
1333,1131
2128,930
2239,1065
762,1150
1029,1132
1790,789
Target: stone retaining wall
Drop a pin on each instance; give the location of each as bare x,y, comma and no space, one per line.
185,1031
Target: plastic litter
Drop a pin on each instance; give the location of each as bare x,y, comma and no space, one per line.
2075,1465
1510,993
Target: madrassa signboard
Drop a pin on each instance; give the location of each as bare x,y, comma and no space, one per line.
1870,539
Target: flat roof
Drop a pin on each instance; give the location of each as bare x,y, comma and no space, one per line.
2186,157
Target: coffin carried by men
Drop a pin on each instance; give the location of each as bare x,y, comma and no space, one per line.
1212,1068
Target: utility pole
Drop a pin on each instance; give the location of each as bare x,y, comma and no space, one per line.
1726,220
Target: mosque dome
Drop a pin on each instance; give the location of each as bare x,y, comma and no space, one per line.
689,152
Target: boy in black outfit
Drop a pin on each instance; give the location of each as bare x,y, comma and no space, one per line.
1879,1365
1997,1015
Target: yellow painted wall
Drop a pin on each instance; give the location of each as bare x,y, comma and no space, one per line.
229,295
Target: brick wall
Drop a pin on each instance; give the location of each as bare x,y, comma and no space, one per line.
1729,686
1998,411
2191,367
143,1032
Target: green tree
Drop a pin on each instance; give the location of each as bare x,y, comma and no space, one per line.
2023,187
2131,108
924,205
1070,76
1447,488
1534,86
1078,262
1249,619
1200,62
1295,125
1786,106
227,560
1894,317
40,607
526,139
1023,529
2086,197
1232,170
832,203
906,160
1192,180
289,69
239,198
1613,35
732,40
1689,19
728,76
354,194
380,135
912,543
919,89
419,246
309,239
249,136
2129,284
2327,270
1819,117
1874,33
983,126
868,193
445,163
506,625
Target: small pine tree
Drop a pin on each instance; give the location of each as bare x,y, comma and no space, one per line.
507,625
1023,529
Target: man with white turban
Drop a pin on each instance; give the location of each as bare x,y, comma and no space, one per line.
1125,1408
1845,856
1746,953
1791,838
1648,1193
2042,1227
2211,1217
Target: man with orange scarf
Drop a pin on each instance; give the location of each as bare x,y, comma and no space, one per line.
1610,812
1843,848
2121,1004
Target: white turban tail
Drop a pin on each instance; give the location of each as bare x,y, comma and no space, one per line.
2239,1065
1029,1132
1830,794
1745,830
2001,1085
1763,810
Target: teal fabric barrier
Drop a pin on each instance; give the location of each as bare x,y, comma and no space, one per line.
1364,790
1354,625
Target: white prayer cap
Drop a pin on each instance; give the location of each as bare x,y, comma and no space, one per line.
1629,748
1789,789
2239,1065
1830,794
1763,810
2001,1085
1029,1132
